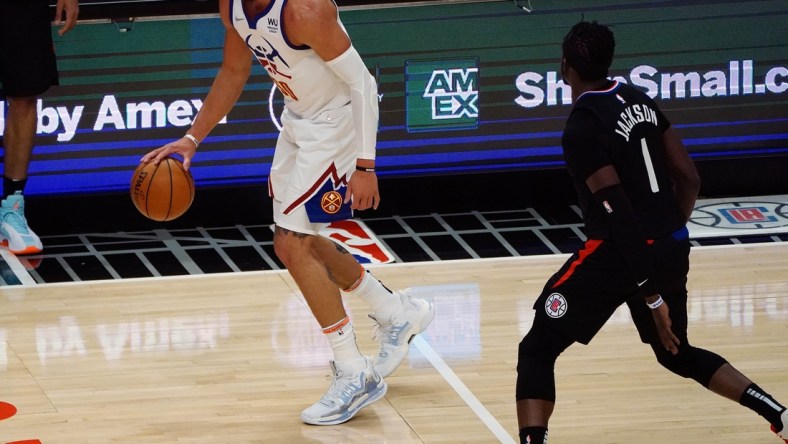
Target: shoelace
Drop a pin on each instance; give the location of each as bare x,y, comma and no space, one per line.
387,334
341,389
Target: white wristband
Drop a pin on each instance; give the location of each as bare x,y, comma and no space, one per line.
654,305
193,139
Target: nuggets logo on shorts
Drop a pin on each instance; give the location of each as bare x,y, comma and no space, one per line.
331,202
556,305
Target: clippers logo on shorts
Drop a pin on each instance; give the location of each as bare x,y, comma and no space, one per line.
331,202
442,94
742,215
359,241
556,305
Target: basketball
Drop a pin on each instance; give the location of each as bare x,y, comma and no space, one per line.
162,192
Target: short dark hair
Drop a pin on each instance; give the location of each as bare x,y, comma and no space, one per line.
588,48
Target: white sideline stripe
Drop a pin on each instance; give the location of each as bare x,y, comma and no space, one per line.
19,270
124,281
466,395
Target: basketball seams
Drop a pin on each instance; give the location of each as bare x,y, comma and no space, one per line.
169,207
189,181
167,194
147,190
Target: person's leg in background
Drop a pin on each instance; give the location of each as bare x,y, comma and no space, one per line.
27,69
20,130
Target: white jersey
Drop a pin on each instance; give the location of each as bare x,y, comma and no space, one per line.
307,83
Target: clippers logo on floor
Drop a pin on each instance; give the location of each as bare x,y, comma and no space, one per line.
758,215
359,241
751,215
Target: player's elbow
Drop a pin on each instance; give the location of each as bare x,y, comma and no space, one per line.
689,182
692,179
695,181
240,66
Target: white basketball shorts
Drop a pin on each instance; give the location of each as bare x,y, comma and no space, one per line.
312,163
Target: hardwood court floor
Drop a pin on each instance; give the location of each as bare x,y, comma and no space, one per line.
235,357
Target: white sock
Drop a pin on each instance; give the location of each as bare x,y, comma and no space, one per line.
380,299
343,341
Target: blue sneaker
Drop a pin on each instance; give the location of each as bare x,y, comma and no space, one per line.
349,392
14,231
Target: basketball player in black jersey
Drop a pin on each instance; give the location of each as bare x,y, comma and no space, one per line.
637,187
27,69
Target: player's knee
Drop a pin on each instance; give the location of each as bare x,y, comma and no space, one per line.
535,370
290,245
691,362
532,350
280,247
22,103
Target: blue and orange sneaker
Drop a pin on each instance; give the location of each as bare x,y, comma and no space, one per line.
14,231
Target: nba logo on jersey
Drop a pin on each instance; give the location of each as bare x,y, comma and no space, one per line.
359,241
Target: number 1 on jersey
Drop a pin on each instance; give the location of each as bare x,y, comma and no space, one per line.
652,177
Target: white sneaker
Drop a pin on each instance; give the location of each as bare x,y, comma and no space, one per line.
14,231
396,332
783,433
349,392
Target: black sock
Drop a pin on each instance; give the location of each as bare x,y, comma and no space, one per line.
533,435
763,404
11,186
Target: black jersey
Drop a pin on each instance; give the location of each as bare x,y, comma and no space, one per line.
621,126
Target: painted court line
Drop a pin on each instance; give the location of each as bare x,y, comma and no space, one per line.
466,395
19,270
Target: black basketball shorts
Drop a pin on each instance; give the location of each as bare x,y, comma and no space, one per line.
27,56
580,298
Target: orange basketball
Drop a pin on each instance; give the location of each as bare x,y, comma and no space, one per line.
162,192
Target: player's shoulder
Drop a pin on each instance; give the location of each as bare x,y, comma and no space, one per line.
630,91
308,20
307,11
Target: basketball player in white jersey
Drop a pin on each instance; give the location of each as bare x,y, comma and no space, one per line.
325,156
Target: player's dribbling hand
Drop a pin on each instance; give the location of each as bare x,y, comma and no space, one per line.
182,146
666,336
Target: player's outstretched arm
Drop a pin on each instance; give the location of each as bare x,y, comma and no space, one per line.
224,93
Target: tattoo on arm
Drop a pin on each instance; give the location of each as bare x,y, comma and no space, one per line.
340,248
331,276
